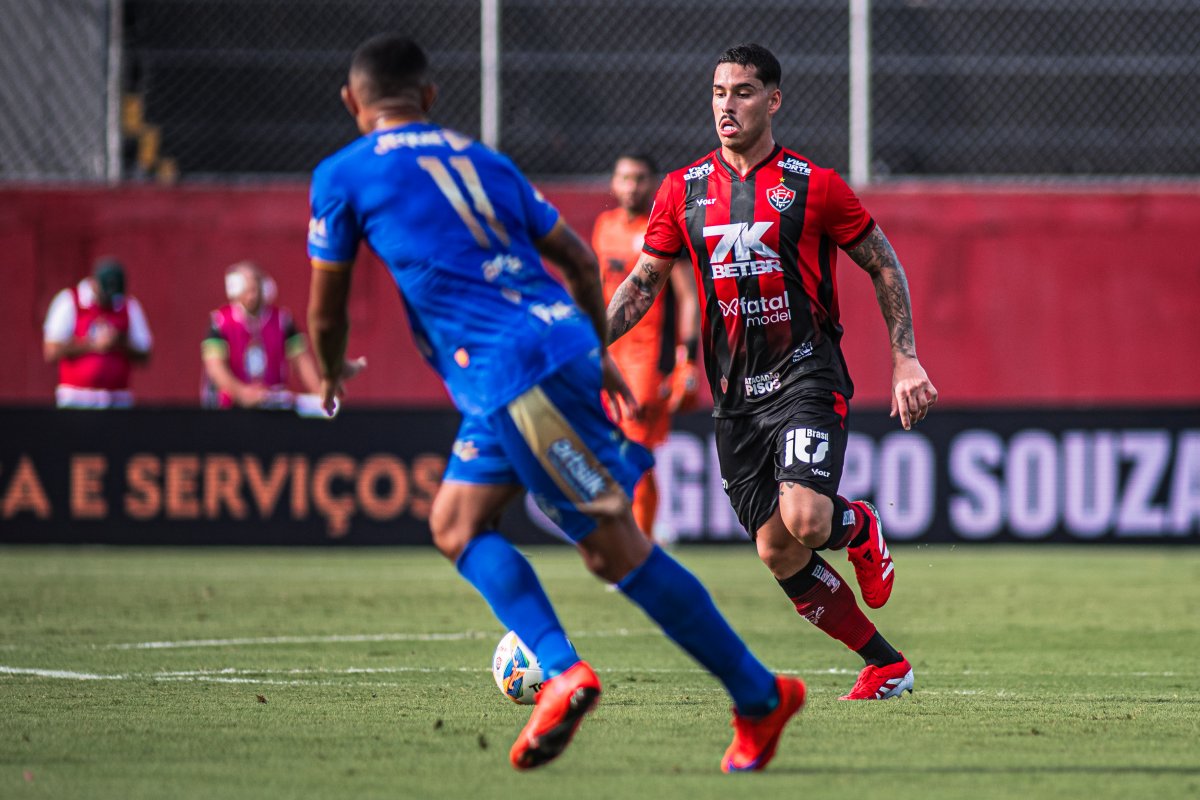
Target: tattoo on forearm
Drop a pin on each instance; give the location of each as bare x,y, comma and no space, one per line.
648,273
633,299
876,256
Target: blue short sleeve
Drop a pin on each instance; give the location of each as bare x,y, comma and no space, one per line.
540,215
333,231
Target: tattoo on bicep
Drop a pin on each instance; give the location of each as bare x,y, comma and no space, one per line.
874,252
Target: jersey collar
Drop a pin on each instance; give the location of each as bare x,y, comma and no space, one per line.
735,175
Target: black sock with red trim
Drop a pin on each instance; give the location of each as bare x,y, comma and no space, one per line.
848,527
877,652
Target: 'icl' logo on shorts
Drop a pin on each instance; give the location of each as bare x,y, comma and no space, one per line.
798,442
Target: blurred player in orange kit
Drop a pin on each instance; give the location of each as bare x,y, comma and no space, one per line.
660,372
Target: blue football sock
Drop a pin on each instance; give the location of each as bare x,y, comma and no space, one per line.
507,581
673,597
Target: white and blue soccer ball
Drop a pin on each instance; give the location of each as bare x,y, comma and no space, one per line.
516,670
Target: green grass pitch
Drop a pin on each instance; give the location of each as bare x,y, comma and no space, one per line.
1041,672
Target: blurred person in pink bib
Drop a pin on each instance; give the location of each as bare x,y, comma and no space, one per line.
252,346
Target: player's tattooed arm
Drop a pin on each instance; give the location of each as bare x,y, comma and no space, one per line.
876,256
636,294
912,392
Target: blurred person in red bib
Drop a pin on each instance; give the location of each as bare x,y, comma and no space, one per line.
96,334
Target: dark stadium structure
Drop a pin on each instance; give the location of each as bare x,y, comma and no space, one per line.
971,87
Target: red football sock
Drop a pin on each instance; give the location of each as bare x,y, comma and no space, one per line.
822,597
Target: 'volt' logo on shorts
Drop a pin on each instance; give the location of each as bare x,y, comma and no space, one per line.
799,441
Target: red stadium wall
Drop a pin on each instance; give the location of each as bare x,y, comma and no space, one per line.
1022,296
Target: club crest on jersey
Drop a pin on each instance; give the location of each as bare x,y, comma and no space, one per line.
780,197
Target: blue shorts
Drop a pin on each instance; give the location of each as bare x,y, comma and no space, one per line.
558,442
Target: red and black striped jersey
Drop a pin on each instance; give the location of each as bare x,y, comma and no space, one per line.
764,248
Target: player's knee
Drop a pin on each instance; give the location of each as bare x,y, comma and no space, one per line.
783,556
808,525
614,549
812,537
602,565
770,553
451,529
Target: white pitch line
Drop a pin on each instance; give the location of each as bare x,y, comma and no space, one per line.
245,676
197,673
61,673
253,677
233,676
336,638
197,677
259,681
394,671
265,640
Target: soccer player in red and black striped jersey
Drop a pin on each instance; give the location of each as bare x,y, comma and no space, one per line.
762,225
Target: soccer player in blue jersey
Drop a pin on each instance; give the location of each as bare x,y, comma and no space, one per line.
524,359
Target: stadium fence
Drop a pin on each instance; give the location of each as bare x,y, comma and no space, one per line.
876,88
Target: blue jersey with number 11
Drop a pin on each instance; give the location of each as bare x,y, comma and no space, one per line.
455,222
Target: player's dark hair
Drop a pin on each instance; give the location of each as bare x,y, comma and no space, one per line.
388,65
766,65
641,158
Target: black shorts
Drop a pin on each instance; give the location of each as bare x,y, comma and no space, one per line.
802,440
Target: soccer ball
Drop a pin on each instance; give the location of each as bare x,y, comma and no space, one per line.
516,670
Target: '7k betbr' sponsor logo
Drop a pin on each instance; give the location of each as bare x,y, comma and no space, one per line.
742,241
756,313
